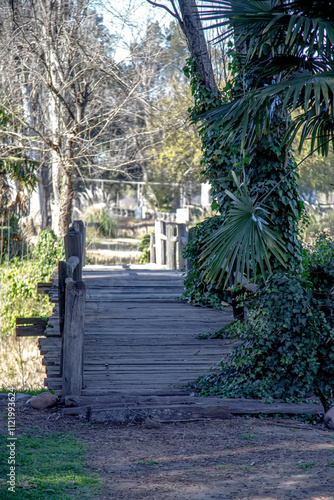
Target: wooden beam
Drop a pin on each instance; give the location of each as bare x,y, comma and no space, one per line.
73,339
64,271
78,225
44,288
30,327
170,246
73,248
182,235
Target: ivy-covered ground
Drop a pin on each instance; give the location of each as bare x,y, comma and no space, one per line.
237,459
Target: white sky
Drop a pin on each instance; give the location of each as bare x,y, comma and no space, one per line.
128,19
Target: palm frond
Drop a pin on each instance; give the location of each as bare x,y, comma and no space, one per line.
244,244
270,23
248,118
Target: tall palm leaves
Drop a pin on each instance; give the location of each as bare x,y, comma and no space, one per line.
292,44
242,246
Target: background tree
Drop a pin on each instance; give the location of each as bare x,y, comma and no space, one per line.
61,84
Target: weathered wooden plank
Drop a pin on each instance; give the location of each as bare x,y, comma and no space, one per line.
73,248
30,330
128,314
31,321
65,271
29,327
73,339
170,413
166,409
79,226
44,288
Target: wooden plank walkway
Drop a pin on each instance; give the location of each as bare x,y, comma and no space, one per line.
141,346
138,338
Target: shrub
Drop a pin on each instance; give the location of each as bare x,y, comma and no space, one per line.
47,252
144,245
19,282
287,348
107,223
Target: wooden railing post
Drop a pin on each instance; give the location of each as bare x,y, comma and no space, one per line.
80,226
64,271
73,247
170,246
160,244
182,236
152,248
73,339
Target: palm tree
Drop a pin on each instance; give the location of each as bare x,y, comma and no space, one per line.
288,65
292,42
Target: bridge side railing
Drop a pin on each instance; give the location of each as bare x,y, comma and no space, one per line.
167,244
72,300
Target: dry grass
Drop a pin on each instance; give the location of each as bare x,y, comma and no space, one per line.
112,257
21,364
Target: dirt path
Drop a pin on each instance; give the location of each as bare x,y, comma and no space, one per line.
232,459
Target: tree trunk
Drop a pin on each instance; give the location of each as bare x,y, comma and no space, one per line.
43,197
66,200
192,29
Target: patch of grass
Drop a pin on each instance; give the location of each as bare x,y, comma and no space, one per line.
305,465
31,392
151,462
47,466
330,464
250,437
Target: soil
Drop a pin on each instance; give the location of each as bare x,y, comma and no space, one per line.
237,459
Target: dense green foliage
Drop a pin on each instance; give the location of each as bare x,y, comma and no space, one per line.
291,45
287,347
197,289
19,280
266,170
144,246
287,341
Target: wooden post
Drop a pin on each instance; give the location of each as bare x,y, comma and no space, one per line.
73,339
79,226
182,238
170,246
73,247
64,272
152,249
160,245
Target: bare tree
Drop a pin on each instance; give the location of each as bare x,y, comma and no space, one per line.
63,89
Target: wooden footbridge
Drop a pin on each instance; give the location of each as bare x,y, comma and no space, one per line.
125,344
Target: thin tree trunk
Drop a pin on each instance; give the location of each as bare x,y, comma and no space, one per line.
192,29
66,200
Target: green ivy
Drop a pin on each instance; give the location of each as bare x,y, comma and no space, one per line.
263,168
287,341
197,290
287,347
144,246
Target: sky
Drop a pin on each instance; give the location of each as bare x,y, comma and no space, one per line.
128,19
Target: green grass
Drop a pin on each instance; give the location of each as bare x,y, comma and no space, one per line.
305,465
48,466
31,392
250,437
